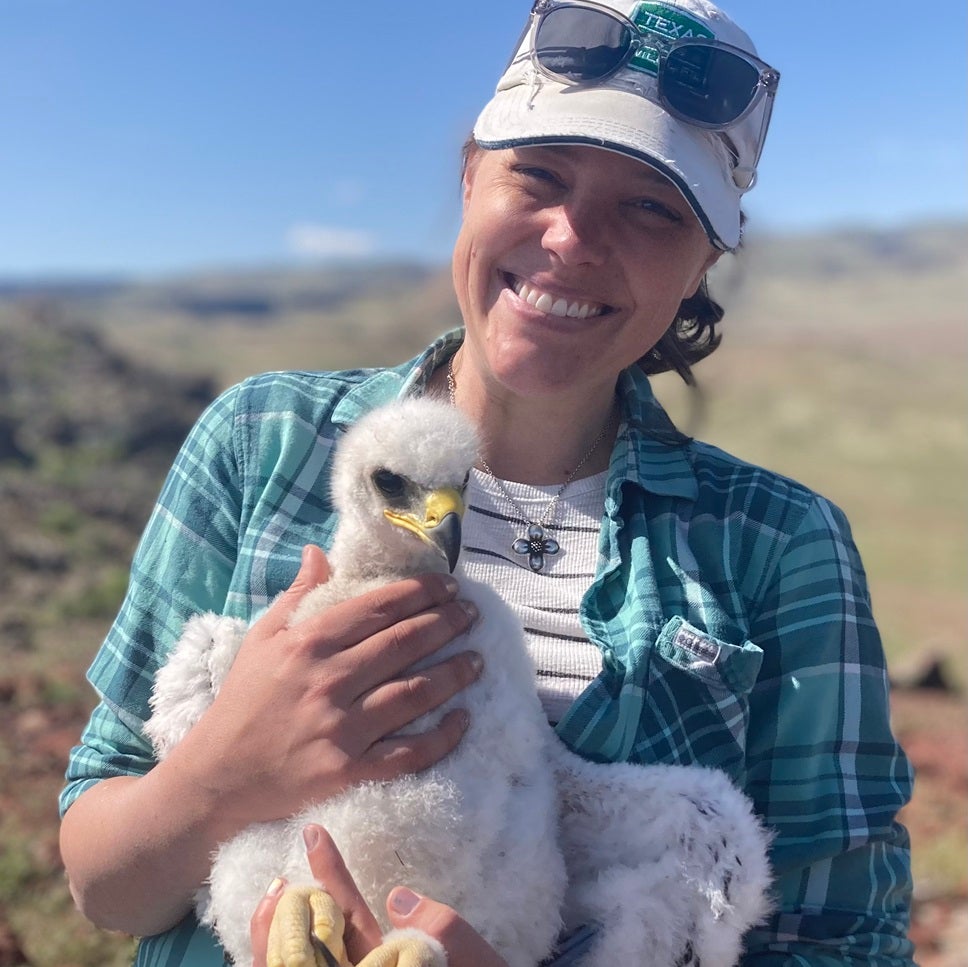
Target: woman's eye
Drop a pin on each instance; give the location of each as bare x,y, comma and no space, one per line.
389,484
534,173
652,206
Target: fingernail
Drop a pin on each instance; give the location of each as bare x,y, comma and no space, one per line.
450,585
275,886
463,719
403,901
470,609
477,662
311,837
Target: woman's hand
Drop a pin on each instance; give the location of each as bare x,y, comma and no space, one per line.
308,710
465,947
261,921
303,713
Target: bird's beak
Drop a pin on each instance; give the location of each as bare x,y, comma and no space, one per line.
440,526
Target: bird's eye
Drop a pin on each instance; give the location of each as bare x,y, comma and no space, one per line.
388,483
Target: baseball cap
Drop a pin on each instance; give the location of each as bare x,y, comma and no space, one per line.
713,165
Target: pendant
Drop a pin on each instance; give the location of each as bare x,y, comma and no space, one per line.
535,545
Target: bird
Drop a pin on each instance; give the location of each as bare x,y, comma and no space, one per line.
523,837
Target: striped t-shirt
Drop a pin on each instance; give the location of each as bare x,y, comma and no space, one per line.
545,601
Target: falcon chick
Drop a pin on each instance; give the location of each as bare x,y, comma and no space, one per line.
512,829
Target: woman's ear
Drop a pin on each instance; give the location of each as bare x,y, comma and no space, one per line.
711,260
472,159
466,190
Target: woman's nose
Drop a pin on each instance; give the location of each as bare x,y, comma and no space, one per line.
576,234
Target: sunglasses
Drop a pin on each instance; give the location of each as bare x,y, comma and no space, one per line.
701,81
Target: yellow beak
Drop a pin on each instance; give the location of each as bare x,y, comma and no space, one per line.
440,525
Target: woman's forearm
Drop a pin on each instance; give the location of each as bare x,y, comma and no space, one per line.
136,848
304,712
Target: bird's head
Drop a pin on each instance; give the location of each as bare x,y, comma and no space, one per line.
398,481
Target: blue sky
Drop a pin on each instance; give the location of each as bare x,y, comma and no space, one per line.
153,137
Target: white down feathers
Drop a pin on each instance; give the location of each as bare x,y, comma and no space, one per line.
670,860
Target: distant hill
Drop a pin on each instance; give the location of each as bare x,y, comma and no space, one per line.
902,290
232,323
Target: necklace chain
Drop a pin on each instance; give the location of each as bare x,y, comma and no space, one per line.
536,544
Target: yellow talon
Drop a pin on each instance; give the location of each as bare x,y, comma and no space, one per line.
406,949
306,930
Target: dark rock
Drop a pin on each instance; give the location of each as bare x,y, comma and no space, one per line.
927,671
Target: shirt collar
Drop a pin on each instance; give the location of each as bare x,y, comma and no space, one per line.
408,379
649,451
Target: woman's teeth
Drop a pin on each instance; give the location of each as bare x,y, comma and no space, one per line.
544,302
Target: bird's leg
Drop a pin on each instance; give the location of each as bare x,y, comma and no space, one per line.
307,930
406,948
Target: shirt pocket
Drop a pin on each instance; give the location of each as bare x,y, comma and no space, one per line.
697,699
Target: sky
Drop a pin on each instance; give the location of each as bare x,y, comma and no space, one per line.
152,138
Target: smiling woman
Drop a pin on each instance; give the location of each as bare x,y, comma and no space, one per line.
571,225
681,606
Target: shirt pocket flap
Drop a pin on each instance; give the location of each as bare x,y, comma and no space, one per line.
718,663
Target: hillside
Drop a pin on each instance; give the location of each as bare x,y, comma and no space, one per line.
836,287
843,365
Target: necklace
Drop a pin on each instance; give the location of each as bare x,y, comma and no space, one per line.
535,543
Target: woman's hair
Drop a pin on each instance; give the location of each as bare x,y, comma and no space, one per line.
692,335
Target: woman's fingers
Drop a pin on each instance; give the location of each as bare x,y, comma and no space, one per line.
357,619
399,702
405,754
362,931
384,655
262,919
464,945
394,620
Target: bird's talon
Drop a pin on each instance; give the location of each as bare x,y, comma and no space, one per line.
406,948
306,930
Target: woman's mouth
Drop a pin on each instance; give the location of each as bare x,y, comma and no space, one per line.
553,305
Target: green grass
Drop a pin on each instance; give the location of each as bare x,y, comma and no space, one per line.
55,935
18,870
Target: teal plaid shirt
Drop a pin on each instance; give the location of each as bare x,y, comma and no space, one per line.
730,606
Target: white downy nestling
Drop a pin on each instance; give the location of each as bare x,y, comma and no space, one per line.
518,834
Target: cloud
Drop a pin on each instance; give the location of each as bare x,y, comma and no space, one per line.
324,242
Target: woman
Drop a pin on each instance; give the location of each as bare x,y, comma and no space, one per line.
682,606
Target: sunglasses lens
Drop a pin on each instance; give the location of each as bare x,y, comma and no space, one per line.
707,84
581,44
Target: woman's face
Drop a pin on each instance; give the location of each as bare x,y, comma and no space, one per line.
570,264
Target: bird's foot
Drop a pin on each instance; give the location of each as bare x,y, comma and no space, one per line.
406,948
307,930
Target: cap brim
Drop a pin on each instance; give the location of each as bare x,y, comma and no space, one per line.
552,113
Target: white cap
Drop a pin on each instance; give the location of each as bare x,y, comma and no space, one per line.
623,114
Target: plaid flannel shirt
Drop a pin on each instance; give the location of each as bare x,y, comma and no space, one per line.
730,606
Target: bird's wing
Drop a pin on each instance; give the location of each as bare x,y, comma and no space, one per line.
670,859
189,681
